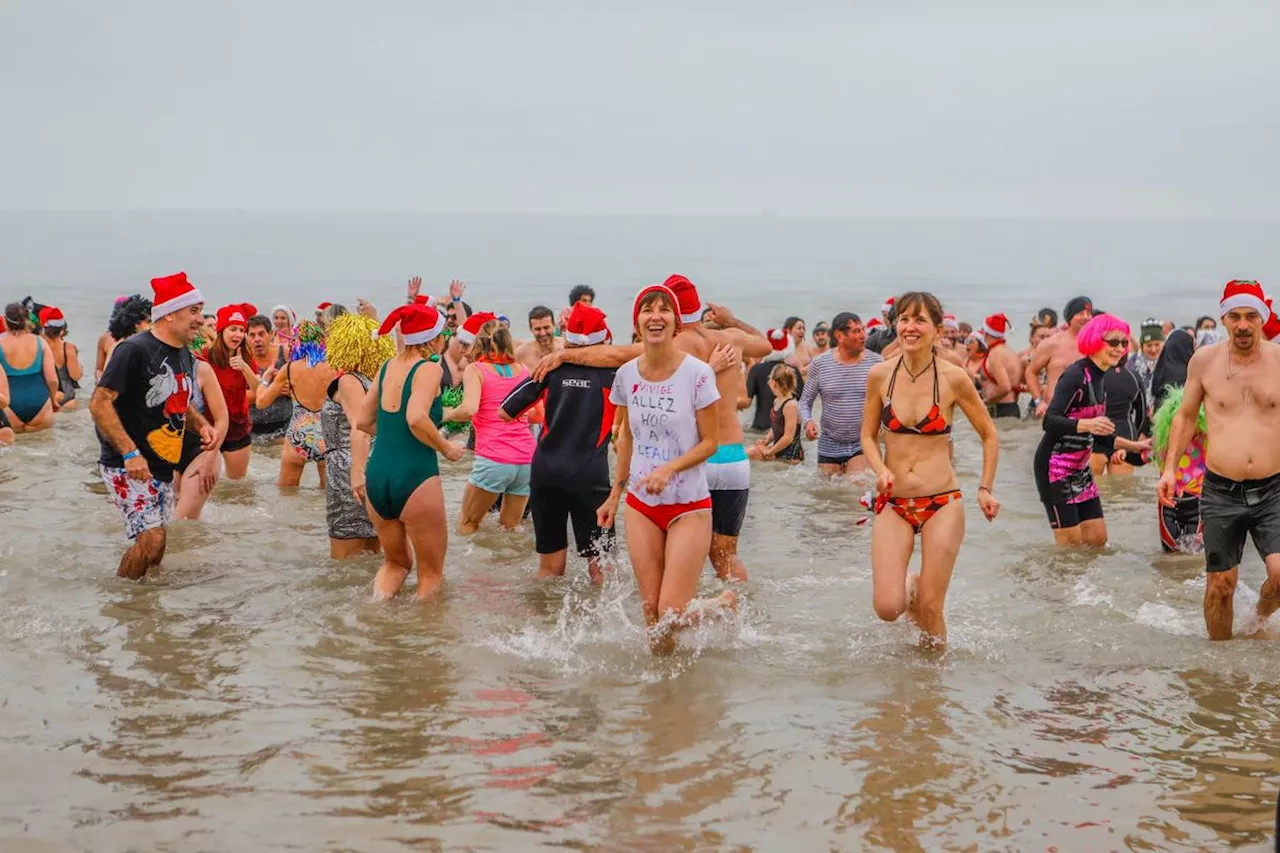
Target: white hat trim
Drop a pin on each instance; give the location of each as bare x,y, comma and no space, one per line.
177,303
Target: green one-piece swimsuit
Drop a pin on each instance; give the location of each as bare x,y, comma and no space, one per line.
399,462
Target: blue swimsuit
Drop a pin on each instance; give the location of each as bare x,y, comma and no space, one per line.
27,391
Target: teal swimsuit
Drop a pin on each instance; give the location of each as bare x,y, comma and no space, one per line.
399,462
27,391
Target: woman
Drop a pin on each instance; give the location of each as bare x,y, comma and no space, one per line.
503,449
784,442
66,356
1180,528
975,359
357,354
801,355
402,411
912,398
1075,419
236,372
285,320
33,379
666,402
307,378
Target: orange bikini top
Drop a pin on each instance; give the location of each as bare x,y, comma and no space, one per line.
931,424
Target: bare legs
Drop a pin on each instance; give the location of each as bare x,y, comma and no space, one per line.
192,491
892,543
237,462
42,421
476,503
147,551
667,567
725,560
420,531
1219,598
342,549
292,465
1092,533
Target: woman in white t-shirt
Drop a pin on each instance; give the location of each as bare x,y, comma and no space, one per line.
666,406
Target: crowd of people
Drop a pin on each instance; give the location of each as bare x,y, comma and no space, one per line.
181,396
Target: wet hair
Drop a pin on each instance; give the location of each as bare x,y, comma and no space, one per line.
15,316
784,376
791,322
1089,341
128,315
918,301
259,320
540,312
579,291
496,345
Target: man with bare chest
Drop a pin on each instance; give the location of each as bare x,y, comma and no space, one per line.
542,323
1057,354
1001,370
1238,383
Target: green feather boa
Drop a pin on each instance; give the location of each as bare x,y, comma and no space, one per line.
1163,419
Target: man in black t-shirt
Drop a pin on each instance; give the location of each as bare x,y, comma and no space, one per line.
569,478
140,411
758,378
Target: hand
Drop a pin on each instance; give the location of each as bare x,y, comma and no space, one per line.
415,287
207,476
548,364
453,452
208,438
657,480
365,309
1166,489
269,375
1119,457
988,504
884,483
238,363
811,431
721,316
607,513
1143,446
724,357
1041,408
1097,426
563,319
358,489
137,468
456,289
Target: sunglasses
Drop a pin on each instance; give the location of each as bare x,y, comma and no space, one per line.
1116,342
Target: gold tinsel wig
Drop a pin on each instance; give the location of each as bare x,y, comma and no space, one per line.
354,347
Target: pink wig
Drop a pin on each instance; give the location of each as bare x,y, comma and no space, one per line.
1089,341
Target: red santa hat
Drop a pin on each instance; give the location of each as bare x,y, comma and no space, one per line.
996,326
1271,328
324,305
645,292
173,293
949,321
235,315
1244,294
888,305
473,325
874,323
585,326
422,299
419,324
690,304
52,317
783,345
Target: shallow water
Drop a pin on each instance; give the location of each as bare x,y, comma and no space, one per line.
249,696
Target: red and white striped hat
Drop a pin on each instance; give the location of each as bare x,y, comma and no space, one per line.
473,325
52,317
997,326
585,326
887,306
783,345
1244,294
686,297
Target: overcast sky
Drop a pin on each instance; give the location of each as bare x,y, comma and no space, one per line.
1109,109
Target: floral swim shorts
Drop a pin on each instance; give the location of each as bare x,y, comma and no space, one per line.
145,504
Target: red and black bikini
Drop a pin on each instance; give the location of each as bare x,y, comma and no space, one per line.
916,511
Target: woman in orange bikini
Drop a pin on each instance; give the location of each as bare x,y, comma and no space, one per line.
913,396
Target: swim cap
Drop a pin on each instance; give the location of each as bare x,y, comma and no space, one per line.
1075,306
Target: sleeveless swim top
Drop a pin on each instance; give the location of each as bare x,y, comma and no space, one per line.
505,443
931,424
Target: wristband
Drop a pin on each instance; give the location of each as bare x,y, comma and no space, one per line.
131,454
986,489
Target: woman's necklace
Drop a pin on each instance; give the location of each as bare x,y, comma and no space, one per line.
923,370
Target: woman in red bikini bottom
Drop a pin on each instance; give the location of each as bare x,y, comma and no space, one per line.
666,409
912,398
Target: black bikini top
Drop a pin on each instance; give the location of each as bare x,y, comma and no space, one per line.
931,424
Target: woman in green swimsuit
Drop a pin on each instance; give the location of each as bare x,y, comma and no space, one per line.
402,410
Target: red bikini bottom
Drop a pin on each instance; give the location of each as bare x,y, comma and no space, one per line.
664,515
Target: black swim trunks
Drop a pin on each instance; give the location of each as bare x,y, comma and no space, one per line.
1232,510
840,460
554,508
1064,516
728,511
1004,410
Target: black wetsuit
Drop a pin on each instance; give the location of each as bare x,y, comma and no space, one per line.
1127,408
1063,476
569,476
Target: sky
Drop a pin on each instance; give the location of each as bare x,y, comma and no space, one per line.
1026,108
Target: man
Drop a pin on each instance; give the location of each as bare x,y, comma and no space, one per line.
272,422
821,338
141,414
729,470
839,378
1001,370
581,293
569,477
542,323
782,345
1237,382
1057,354
210,327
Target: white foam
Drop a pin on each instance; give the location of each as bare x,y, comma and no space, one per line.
1088,595
1164,618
